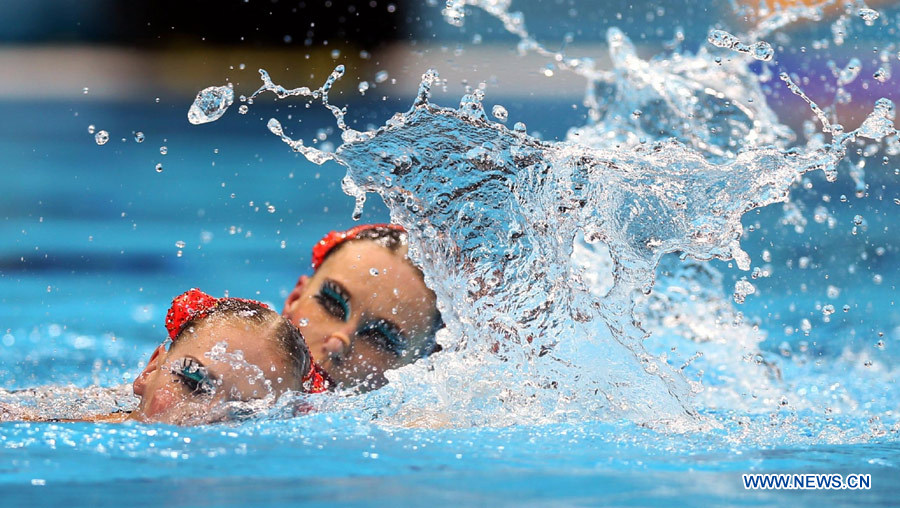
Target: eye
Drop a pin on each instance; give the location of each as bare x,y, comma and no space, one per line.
334,299
385,335
194,376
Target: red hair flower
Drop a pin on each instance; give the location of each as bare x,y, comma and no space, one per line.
193,304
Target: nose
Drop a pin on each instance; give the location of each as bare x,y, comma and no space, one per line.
337,343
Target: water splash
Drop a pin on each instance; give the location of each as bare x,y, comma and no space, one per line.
500,232
210,104
101,138
759,50
495,215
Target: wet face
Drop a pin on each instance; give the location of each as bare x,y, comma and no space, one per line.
218,361
364,311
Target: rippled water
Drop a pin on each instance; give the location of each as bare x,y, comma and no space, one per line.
589,335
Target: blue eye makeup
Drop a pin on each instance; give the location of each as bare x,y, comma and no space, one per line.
194,376
334,299
385,335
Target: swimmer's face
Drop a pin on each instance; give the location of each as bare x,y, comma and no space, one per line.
213,363
364,311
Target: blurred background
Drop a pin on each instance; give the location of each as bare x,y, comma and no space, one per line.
97,238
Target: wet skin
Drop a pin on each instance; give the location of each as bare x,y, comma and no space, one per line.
365,310
192,383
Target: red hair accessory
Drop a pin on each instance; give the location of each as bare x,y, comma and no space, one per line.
193,304
335,238
316,380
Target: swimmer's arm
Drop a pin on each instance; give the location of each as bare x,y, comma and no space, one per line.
7,415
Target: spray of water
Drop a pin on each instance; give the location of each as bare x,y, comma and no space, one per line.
493,215
676,151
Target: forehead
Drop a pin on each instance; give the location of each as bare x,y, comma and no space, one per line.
383,281
211,334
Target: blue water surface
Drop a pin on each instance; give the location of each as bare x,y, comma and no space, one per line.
91,259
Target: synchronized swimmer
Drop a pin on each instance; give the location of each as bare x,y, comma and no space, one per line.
340,328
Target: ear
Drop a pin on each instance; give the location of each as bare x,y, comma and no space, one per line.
156,360
295,295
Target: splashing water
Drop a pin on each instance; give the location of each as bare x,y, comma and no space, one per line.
759,50
495,216
501,233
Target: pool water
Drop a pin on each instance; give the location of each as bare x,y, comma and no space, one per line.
99,241
101,263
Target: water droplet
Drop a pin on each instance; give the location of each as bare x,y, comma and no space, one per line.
91,129
101,137
180,244
210,104
335,53
270,209
363,86
721,39
159,167
274,127
868,15
879,344
302,322
828,310
858,220
163,150
849,73
243,109
381,76
139,137
762,51
373,272
742,288
806,326
500,113
85,90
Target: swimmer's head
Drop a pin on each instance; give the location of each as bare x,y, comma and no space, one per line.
224,353
366,308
